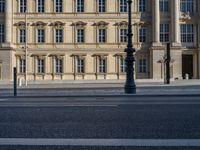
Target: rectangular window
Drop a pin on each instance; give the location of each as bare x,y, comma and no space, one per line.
41,6
23,6
80,35
40,35
123,6
122,65
80,65
2,33
102,35
142,5
80,5
187,6
123,35
187,33
102,6
40,66
164,5
59,65
59,35
102,65
142,66
22,65
2,6
143,34
22,35
164,32
59,6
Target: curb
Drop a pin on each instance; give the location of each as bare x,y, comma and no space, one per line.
114,95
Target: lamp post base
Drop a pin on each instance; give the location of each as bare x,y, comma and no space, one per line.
130,89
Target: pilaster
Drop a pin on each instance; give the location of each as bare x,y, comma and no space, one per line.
156,23
156,62
8,22
175,14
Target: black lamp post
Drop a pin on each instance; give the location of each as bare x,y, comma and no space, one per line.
130,87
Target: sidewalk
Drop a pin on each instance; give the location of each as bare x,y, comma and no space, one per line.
97,84
190,87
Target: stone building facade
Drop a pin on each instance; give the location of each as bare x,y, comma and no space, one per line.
85,39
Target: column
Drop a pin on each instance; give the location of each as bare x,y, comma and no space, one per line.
8,21
156,22
175,23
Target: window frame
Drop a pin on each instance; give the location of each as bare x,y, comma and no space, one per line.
164,32
2,33
22,65
102,6
142,65
102,35
40,66
102,65
187,6
143,35
40,6
187,37
40,39
58,6
22,6
123,35
164,6
2,6
80,65
59,65
123,7
80,6
142,6
59,36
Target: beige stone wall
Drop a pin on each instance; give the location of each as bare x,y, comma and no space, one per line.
152,50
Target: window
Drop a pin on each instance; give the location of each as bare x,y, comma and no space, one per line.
80,35
102,35
142,5
164,5
164,32
102,65
22,35
142,65
187,5
59,65
2,6
80,65
59,35
122,65
22,65
23,5
2,33
123,5
40,35
102,6
80,5
40,66
123,35
41,5
187,33
59,6
143,34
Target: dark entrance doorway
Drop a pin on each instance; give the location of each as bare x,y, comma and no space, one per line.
187,66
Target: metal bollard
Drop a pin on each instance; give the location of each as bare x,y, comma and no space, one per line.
15,80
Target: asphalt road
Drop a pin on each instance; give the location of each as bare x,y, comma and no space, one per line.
109,118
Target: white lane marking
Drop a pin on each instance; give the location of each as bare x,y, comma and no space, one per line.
3,99
53,105
100,142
